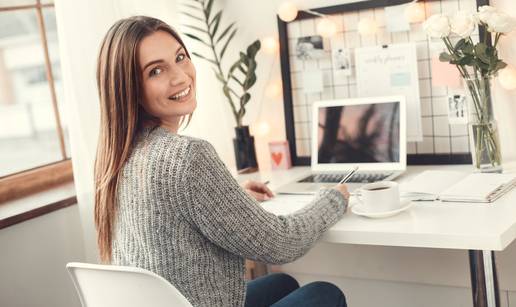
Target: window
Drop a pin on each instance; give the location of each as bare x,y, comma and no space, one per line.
34,147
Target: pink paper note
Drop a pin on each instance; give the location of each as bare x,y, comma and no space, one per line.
280,155
445,74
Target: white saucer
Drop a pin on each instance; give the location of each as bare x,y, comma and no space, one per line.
405,204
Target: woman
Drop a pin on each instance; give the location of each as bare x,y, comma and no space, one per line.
167,203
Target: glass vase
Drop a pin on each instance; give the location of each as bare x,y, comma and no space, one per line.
245,153
485,142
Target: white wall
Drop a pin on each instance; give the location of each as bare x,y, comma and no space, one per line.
33,258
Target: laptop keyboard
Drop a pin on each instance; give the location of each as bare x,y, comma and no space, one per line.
336,178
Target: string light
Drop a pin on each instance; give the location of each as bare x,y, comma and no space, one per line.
507,78
367,26
326,27
287,11
273,90
263,129
414,12
270,45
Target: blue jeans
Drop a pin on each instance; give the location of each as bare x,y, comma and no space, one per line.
281,290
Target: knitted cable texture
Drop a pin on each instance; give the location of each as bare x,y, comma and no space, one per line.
182,215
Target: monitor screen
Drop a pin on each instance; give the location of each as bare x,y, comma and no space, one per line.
363,133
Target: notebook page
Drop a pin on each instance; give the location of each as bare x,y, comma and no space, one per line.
283,204
431,182
476,187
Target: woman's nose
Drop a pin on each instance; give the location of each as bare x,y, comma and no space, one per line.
177,77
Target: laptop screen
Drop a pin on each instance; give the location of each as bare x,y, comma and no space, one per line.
359,133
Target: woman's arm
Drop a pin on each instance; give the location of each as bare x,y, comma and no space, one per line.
215,204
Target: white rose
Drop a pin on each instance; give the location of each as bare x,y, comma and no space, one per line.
463,24
500,23
484,13
437,26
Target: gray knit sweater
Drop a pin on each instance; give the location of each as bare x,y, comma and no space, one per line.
183,216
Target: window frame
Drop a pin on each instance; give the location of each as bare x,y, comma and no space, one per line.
44,177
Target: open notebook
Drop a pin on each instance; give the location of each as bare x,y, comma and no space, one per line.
458,186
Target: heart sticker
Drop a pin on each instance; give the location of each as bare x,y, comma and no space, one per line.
277,156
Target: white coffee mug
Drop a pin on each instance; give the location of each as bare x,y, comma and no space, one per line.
382,196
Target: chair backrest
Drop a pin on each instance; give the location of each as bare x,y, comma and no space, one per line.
113,286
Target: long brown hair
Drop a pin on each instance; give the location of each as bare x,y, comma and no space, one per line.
121,115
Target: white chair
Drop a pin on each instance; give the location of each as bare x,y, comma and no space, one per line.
113,286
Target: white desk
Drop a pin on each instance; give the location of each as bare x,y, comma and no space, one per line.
479,228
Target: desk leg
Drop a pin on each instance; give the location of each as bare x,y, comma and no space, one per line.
484,281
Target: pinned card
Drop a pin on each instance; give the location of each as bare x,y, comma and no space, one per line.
341,59
457,110
312,81
395,18
444,74
280,155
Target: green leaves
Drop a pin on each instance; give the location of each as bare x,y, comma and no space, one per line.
226,31
500,65
253,49
219,75
227,43
242,74
481,53
481,57
246,66
192,6
196,38
245,99
459,45
445,57
214,24
203,57
207,10
192,16
195,28
466,61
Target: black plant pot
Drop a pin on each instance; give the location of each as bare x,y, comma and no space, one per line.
245,153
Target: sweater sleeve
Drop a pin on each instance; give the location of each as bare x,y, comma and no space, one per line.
215,204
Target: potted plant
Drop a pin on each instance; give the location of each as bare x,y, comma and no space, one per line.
478,63
236,81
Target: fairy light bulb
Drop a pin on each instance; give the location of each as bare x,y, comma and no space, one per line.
273,90
270,45
367,26
414,12
507,78
326,27
287,11
263,129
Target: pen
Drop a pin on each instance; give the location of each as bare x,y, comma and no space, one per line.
348,176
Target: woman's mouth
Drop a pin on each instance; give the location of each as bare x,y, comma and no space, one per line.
182,95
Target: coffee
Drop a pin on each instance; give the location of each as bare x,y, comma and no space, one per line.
380,196
378,188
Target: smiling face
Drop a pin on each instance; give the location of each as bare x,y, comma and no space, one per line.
168,79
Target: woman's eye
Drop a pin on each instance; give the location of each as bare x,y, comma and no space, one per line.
155,71
180,57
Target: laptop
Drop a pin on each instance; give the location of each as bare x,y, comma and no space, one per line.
366,132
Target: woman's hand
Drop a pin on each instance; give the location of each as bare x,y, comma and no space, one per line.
257,190
343,189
